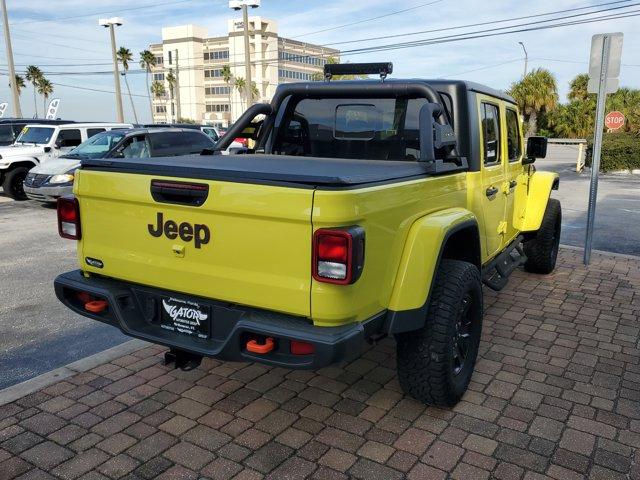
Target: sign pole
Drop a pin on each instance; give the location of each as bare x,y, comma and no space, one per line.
597,147
604,69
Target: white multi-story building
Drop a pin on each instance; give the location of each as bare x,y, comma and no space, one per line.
203,93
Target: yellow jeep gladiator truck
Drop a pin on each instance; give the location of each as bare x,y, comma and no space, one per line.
365,208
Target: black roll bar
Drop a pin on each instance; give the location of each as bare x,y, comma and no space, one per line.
245,119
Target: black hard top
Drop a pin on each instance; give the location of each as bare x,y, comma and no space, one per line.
35,121
283,169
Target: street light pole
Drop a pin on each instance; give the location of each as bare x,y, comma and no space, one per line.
247,55
110,23
244,5
17,111
526,59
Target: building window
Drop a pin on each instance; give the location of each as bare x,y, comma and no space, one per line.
217,107
306,59
158,77
292,74
161,109
219,55
170,57
159,60
213,73
217,90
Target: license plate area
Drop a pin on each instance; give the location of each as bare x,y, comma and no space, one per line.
185,317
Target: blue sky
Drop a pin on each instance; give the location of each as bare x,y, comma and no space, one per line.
74,37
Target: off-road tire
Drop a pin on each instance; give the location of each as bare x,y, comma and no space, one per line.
12,184
542,249
425,357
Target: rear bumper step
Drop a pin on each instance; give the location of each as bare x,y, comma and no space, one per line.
135,310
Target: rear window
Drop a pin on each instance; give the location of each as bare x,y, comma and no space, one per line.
94,131
179,143
371,129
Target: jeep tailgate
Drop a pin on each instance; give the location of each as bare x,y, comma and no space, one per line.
247,244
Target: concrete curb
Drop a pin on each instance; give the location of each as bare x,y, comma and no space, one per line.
602,252
20,390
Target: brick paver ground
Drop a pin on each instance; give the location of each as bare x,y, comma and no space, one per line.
556,394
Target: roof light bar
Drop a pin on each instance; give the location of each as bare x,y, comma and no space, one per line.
382,68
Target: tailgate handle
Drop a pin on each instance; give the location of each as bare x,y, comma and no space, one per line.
182,193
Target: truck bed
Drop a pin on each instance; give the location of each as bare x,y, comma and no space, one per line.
261,168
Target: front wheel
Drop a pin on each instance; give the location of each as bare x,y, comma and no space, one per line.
13,183
435,363
542,249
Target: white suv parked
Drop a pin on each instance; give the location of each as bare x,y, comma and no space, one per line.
38,143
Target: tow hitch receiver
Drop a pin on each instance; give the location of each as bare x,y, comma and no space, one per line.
185,361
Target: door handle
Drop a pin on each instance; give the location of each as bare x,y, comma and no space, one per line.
491,191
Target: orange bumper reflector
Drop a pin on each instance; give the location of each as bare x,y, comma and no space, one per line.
96,306
261,348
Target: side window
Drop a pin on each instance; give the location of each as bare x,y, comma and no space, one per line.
92,131
69,138
134,147
514,148
179,143
491,132
211,133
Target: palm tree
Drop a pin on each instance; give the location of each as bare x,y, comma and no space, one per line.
578,87
240,83
124,55
33,75
45,88
171,80
147,61
19,83
537,92
254,91
158,90
226,76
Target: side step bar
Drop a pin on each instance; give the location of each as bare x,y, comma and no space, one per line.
495,274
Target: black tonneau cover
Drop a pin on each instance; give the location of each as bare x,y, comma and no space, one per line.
302,171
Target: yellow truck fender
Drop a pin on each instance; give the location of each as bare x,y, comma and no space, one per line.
449,233
531,200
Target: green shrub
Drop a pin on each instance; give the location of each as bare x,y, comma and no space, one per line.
620,151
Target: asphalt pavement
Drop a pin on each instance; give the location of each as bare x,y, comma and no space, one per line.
38,334
617,224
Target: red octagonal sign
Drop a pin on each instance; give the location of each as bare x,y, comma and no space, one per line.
614,120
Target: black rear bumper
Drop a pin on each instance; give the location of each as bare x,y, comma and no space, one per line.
135,310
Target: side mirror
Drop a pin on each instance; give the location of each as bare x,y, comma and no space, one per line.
536,148
46,149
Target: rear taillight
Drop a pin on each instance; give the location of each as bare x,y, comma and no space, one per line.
69,218
338,255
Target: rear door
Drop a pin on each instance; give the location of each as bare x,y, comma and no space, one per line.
493,198
514,152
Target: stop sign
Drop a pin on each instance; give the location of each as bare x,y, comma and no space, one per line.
614,120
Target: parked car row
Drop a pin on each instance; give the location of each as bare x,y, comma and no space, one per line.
41,161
